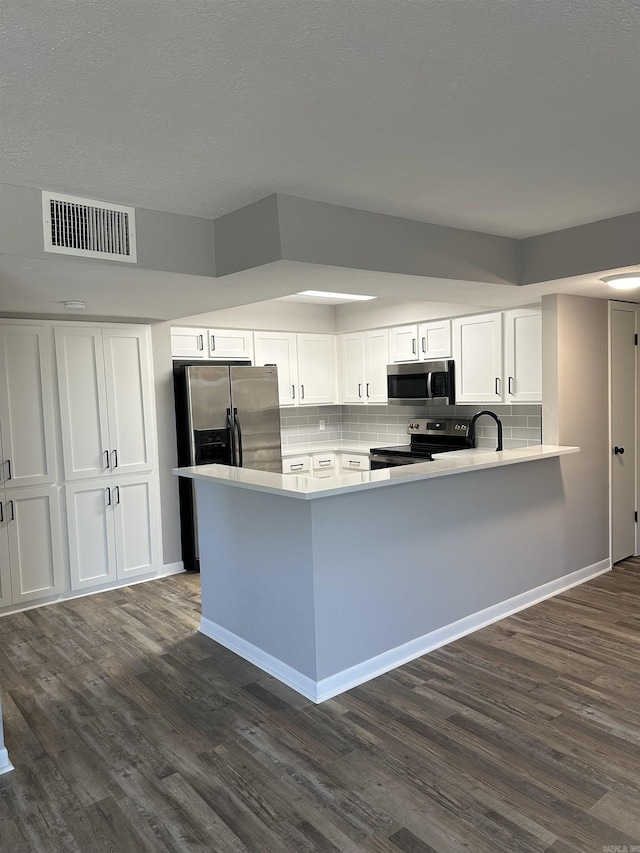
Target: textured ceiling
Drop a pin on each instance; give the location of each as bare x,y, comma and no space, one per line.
514,117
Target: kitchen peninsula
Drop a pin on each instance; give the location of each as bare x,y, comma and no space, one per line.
327,583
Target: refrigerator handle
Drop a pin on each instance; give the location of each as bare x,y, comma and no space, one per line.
236,421
232,442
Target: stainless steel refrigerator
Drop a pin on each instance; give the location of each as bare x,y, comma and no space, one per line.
225,414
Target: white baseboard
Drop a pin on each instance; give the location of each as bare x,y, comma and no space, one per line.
326,688
5,764
172,569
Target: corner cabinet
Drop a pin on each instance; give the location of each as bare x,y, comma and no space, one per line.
106,408
363,366
306,366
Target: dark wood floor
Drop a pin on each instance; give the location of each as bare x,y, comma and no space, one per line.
131,732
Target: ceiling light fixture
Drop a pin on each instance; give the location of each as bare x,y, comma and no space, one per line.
324,294
623,281
74,305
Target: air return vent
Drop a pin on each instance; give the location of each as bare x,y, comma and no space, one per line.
88,228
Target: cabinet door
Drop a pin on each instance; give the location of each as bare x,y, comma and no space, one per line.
316,369
35,551
403,344
376,359
352,374
523,356
92,557
230,343
188,343
5,569
83,402
136,514
280,348
129,400
26,406
478,358
354,462
435,339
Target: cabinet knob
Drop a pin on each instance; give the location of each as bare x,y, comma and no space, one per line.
618,450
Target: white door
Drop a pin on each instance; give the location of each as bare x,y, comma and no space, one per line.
129,400
230,343
403,344
435,339
92,556
376,359
5,568
624,431
477,348
316,369
352,371
26,407
188,343
137,530
523,356
280,348
35,551
83,402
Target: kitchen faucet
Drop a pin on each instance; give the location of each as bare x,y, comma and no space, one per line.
472,426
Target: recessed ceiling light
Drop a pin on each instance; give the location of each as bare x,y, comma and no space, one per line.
325,294
74,305
623,281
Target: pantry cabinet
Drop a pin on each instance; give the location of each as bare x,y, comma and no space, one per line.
420,341
106,408
363,366
113,529
306,366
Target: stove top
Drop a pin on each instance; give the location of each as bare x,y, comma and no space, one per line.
423,450
430,436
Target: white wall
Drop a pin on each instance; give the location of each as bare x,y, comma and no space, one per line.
378,313
273,315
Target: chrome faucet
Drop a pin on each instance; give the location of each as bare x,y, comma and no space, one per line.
472,426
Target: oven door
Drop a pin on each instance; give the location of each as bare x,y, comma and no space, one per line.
379,460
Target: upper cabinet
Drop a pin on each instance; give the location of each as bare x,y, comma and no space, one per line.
306,366
363,366
420,342
27,433
228,344
523,355
106,407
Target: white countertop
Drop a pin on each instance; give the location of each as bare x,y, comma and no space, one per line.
310,488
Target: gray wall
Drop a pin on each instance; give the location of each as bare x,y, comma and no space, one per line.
576,412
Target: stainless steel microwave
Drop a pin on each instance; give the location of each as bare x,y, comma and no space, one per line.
422,383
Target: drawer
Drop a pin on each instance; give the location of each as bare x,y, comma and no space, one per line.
355,462
296,465
323,461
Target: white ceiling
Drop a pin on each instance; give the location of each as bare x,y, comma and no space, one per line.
514,117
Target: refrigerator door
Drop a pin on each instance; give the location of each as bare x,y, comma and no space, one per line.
255,404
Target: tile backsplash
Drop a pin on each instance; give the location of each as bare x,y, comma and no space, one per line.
386,425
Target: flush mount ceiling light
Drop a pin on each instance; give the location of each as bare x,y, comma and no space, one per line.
623,281
74,305
324,294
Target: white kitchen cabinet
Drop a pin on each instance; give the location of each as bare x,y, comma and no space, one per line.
350,462
230,344
363,366
523,356
30,545
27,430
113,529
106,400
306,366
420,341
190,343
297,465
324,465
477,349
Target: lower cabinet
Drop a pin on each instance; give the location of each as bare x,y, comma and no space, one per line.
354,462
114,531
31,564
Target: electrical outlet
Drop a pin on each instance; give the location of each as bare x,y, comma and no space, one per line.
321,425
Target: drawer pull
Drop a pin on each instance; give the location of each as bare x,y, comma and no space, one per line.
324,461
354,462
297,466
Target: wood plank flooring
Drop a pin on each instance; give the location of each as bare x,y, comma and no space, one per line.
131,732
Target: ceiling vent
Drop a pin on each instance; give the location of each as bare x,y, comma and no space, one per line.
88,228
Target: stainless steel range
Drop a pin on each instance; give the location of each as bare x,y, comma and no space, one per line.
429,436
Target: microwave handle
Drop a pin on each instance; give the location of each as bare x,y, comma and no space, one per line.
430,385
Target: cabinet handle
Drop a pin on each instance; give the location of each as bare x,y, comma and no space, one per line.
424,346
509,385
413,345
302,392
106,459
498,386
354,462
297,466
200,342
8,464
116,494
115,458
13,514
359,389
213,342
1,513
293,392
108,491
368,395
